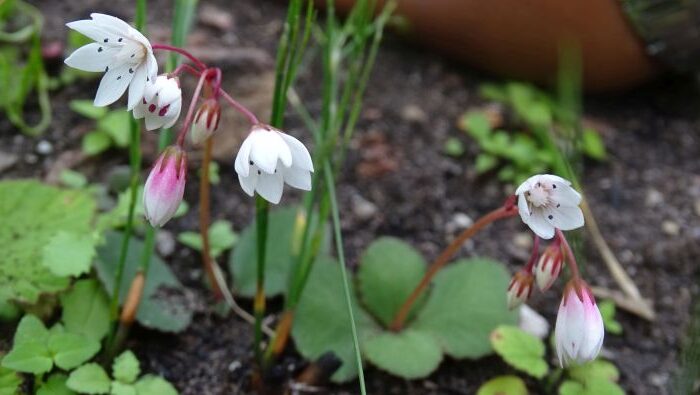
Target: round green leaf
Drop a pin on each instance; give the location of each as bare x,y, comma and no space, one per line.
124,389
151,385
9,381
467,301
69,254
503,385
409,354
520,349
89,379
126,367
86,309
30,330
96,142
595,386
55,385
597,369
87,109
322,323
70,350
29,357
389,271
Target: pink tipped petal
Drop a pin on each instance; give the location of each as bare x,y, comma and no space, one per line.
113,85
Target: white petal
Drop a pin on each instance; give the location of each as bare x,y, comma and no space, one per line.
539,225
137,87
523,208
110,22
300,155
151,66
173,113
95,31
565,217
270,187
565,195
113,85
265,150
551,178
153,121
90,58
248,183
526,185
242,164
139,111
297,177
169,91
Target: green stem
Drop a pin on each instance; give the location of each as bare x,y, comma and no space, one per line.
261,224
327,169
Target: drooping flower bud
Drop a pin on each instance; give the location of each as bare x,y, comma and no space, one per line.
520,288
165,186
549,266
579,329
206,121
161,103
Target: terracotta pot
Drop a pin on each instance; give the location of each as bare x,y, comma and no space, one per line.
520,38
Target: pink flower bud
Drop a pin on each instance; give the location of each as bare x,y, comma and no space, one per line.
579,329
165,186
549,266
206,121
520,288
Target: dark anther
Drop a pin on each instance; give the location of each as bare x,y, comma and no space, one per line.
106,40
119,77
120,39
550,216
251,163
558,205
259,172
106,69
131,71
132,55
554,186
99,49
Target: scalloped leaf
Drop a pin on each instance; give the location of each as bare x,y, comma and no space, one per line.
33,214
503,385
409,354
89,379
126,367
467,301
520,349
86,309
389,271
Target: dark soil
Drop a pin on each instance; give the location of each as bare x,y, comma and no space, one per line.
646,196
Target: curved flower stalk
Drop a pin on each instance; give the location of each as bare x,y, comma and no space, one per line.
119,51
161,103
165,186
579,330
547,202
269,158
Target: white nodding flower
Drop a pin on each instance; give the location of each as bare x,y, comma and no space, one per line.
268,158
547,202
161,103
579,330
121,52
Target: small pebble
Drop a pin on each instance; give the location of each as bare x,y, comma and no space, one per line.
44,147
523,240
235,365
31,159
7,160
671,228
653,198
413,113
458,222
658,379
362,208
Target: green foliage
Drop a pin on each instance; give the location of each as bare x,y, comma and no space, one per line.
466,303
35,218
279,256
607,311
9,381
21,76
150,384
55,385
36,349
111,127
520,349
453,147
86,310
410,354
517,154
89,379
593,378
126,367
389,270
322,323
163,304
72,179
69,254
503,385
221,238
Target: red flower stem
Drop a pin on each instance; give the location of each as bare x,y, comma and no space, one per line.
240,108
535,254
569,253
185,67
182,52
190,112
505,211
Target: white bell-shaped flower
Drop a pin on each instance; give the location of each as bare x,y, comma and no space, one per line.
547,202
161,103
268,158
121,52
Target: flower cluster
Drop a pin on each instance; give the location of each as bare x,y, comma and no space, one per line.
548,204
267,159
